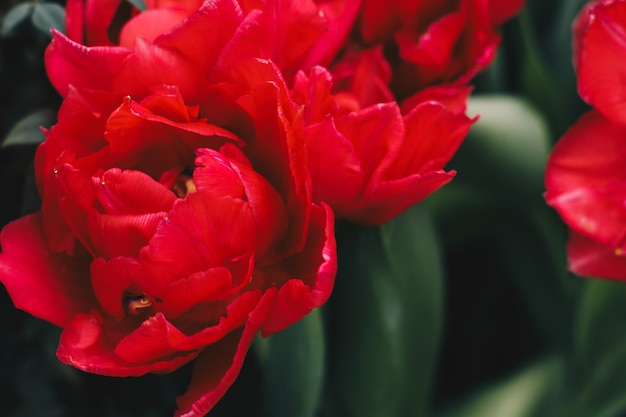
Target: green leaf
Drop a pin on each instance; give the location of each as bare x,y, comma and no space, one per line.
294,361
15,16
463,211
139,4
538,82
531,250
598,383
47,16
506,149
27,131
602,320
529,393
387,317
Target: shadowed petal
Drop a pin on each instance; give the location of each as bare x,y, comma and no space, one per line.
589,258
217,367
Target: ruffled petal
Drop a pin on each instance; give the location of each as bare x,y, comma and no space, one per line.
215,284
86,344
433,133
217,367
201,232
277,151
219,175
377,134
308,277
144,141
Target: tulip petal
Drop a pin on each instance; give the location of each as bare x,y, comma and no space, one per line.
588,258
121,234
158,65
277,151
69,63
205,32
586,182
216,174
385,200
376,133
500,11
131,192
86,344
340,17
601,47
53,287
218,365
307,277
144,141
110,280
214,284
156,338
201,232
433,135
149,25
337,176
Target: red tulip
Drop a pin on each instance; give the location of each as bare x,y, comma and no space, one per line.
177,218
294,34
599,57
585,182
432,42
585,174
370,162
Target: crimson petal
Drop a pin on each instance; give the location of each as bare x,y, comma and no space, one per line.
53,287
69,63
585,179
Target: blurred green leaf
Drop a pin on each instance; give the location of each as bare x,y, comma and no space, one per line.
15,16
294,362
47,16
602,321
531,250
387,318
463,211
538,81
560,58
506,149
529,393
598,384
27,131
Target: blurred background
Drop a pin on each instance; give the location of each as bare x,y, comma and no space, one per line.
508,331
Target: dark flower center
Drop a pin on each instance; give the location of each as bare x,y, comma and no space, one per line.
135,305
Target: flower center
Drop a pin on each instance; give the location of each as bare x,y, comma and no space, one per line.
135,305
183,185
